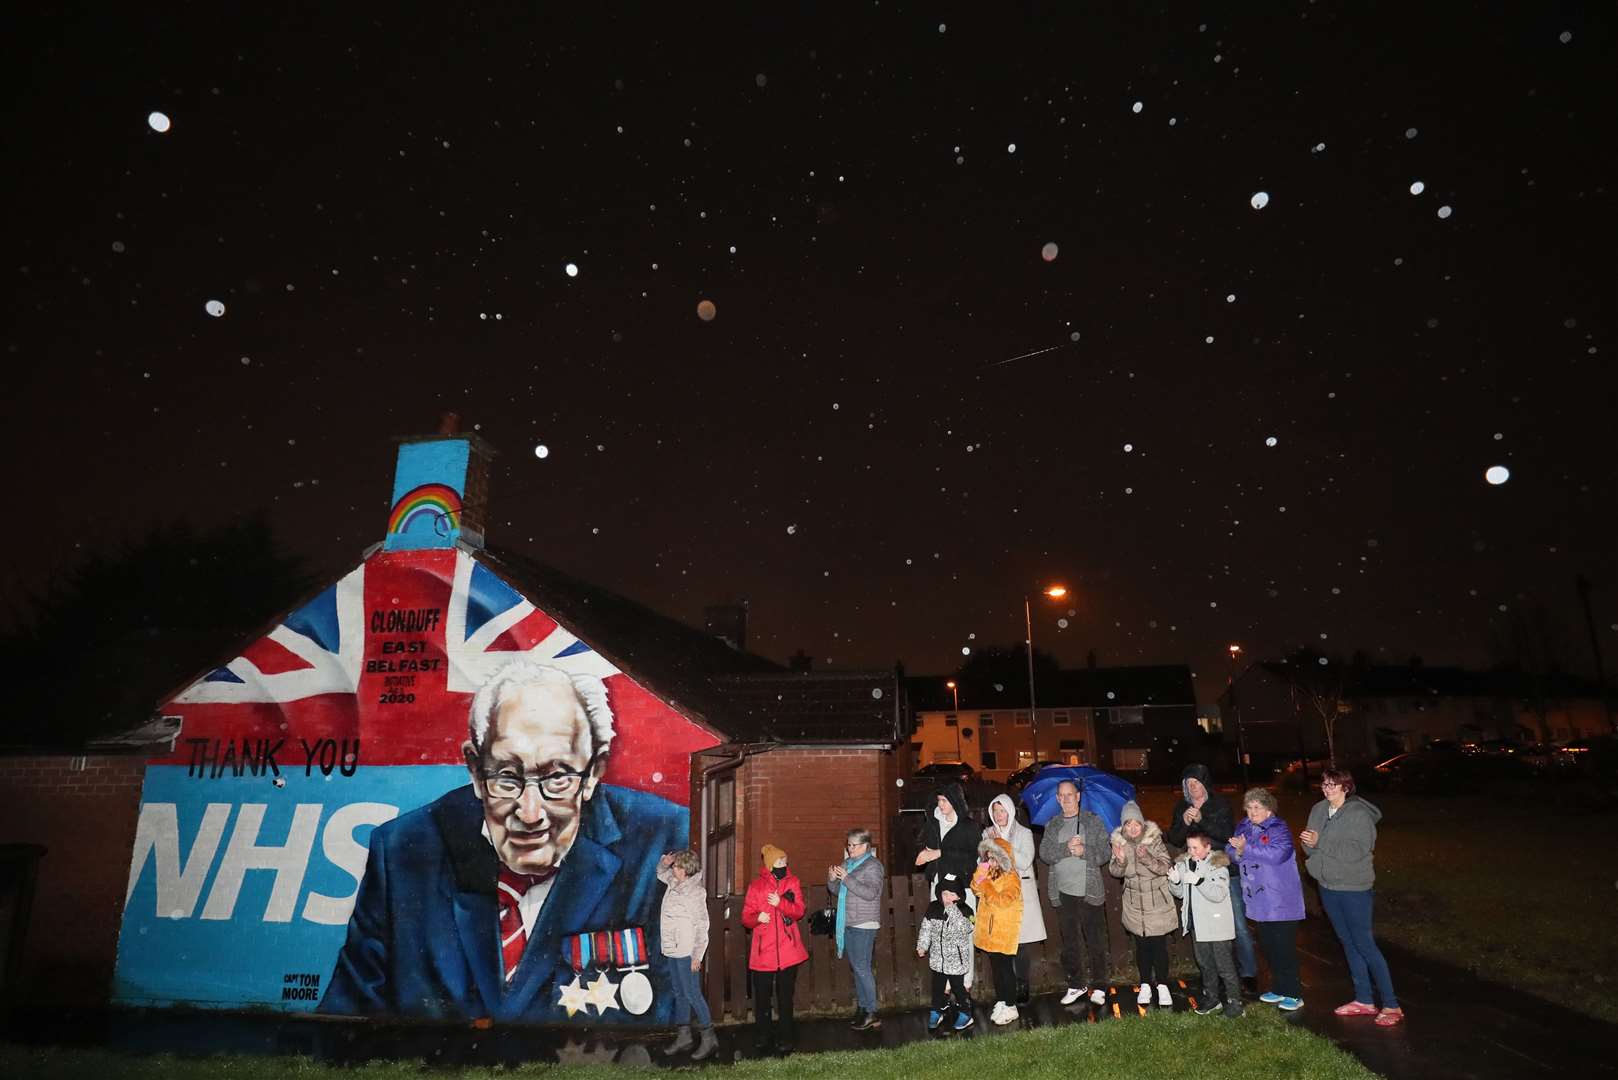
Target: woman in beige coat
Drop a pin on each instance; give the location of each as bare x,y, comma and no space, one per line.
1141,859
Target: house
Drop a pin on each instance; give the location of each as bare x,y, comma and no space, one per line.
1137,721
1376,711
250,812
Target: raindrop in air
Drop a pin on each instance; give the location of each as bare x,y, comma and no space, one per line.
1048,252
1410,133
1137,107
1565,36
158,122
542,451
706,311
572,269
792,530
1271,441
1497,475
214,308
1011,148
1230,298
1129,448
1444,212
1417,188
1260,200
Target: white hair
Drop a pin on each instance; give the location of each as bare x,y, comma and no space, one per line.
590,691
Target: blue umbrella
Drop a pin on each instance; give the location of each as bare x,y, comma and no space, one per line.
1101,793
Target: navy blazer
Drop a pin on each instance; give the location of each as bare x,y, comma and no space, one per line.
424,938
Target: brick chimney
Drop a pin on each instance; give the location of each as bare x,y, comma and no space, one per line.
440,490
728,623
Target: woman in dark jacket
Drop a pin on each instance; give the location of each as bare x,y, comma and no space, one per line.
949,839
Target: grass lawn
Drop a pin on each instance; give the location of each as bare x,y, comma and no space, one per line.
1511,889
1260,1046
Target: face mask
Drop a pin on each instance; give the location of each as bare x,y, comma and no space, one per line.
780,872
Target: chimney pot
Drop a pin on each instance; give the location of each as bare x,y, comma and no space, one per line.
449,423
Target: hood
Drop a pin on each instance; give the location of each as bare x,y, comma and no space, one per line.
996,851
1011,812
1152,833
1355,802
1200,773
1218,858
957,799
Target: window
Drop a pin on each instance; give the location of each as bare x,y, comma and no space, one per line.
719,846
950,721
1128,716
1129,760
1059,718
1024,758
990,760
1022,719
985,719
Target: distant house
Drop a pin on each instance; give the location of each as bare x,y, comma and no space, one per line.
1387,709
1137,721
239,822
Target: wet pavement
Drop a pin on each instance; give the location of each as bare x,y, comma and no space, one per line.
1458,1026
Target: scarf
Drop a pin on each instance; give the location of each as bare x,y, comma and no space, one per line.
849,865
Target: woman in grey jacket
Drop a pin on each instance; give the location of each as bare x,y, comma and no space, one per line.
1340,845
858,883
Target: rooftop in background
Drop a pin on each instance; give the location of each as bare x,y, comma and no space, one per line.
1418,680
1100,688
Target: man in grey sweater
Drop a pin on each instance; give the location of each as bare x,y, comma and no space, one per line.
1075,847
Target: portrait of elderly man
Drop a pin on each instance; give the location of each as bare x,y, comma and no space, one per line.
474,905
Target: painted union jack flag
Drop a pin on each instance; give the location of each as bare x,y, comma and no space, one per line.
391,654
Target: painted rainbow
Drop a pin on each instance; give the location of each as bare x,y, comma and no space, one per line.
438,502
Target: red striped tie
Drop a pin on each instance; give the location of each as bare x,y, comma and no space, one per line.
513,938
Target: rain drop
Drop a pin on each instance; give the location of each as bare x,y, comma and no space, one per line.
1497,475
1129,448
1417,188
1062,623
572,269
1271,441
792,530
1260,200
542,451
1048,252
1410,133
1011,148
706,310
1137,107
1565,36
158,122
1444,212
214,308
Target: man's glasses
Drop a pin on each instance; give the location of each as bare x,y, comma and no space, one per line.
556,786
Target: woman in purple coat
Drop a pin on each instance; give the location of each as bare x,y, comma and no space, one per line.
1261,847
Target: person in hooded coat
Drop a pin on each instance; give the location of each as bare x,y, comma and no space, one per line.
773,911
1200,808
1261,850
1003,824
999,919
949,841
1142,860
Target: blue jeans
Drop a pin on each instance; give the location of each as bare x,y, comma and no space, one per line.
688,999
1350,915
858,946
1246,959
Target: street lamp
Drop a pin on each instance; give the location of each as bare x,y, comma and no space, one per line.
1054,592
956,690
1230,692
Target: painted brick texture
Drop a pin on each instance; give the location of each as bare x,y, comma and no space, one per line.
805,801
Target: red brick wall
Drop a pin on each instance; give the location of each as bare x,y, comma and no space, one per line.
805,801
84,811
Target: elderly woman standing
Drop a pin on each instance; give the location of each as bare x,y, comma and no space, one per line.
858,883
683,936
1003,814
1340,843
1261,848
1141,859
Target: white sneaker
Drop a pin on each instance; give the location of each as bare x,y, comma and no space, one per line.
994,1013
1098,997
1073,994
1163,997
1145,995
1007,1015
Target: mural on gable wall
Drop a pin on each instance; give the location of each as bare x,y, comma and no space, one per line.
417,796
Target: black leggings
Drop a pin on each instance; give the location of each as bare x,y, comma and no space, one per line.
1004,968
1279,940
777,985
947,986
1152,958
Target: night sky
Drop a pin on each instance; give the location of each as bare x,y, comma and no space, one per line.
867,441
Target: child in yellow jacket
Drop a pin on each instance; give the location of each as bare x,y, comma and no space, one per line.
999,921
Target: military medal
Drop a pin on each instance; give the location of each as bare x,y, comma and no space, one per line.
629,952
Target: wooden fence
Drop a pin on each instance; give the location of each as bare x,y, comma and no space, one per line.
825,983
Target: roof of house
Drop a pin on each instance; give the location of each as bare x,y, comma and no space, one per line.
1101,688
1420,680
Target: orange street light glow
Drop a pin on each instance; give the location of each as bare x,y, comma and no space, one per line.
1056,592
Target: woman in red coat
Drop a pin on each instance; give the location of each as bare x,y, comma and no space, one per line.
773,911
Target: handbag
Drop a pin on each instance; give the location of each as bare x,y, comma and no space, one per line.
823,923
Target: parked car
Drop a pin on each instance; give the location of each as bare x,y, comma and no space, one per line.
1291,774
1446,772
1494,746
1025,775
940,771
1595,753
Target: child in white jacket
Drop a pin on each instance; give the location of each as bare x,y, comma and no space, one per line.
1201,878
946,941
